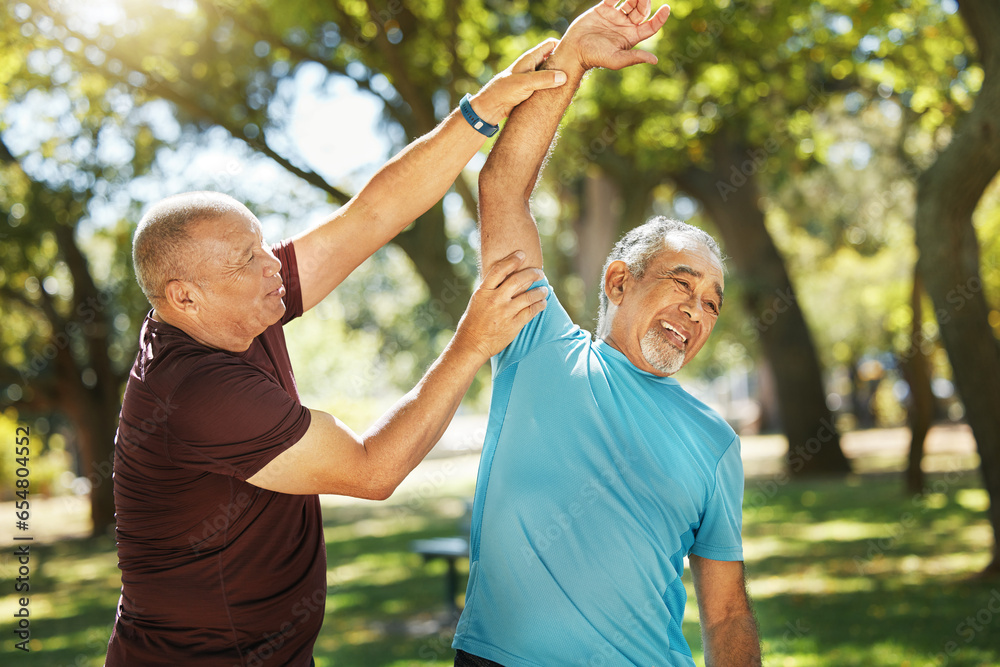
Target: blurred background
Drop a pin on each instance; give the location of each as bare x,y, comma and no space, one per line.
843,152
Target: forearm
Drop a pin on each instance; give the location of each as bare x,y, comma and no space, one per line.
732,643
603,36
508,178
401,438
424,170
402,190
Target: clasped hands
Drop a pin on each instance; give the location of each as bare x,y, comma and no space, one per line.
603,36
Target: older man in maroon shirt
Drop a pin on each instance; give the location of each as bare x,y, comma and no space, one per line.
217,462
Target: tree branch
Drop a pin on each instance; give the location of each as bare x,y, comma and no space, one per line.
198,110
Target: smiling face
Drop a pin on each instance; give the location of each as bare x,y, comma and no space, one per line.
238,292
662,320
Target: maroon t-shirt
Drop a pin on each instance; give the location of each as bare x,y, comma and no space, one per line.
215,572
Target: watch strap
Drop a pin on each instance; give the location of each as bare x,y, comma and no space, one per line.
477,123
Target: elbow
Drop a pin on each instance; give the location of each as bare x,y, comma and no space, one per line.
487,183
370,491
497,188
381,492
380,487
488,174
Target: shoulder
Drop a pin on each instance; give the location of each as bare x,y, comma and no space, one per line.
552,326
169,359
702,419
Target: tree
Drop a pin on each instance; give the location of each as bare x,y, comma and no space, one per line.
948,193
725,126
230,64
68,336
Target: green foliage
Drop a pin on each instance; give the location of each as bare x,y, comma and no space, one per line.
48,459
839,105
73,141
767,72
95,96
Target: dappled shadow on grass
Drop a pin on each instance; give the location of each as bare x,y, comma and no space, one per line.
75,586
869,527
889,625
862,573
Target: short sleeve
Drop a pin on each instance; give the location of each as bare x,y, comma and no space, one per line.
285,252
553,322
232,419
719,535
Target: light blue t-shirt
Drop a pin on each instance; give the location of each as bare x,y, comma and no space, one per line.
596,480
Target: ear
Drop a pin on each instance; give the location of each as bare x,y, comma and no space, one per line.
182,296
615,281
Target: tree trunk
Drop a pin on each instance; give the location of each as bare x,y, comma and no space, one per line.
595,232
426,244
98,421
917,373
730,195
859,395
947,195
94,426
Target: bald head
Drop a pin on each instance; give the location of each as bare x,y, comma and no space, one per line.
162,245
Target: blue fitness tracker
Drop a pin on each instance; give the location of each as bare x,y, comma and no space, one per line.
475,121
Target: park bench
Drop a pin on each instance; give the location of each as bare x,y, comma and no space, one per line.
450,549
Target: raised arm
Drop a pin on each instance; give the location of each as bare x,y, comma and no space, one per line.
603,36
411,182
728,627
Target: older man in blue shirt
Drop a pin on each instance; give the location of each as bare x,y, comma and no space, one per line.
600,474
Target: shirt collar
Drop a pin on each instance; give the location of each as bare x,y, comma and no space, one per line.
615,357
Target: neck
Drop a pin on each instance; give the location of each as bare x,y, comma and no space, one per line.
208,337
637,359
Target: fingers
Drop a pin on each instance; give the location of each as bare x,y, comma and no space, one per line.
650,27
635,10
535,56
502,269
633,57
627,7
644,7
500,307
519,281
531,298
532,81
531,303
525,66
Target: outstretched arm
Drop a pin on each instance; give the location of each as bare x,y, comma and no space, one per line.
410,183
603,36
331,458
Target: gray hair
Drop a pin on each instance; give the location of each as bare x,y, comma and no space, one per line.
162,237
639,246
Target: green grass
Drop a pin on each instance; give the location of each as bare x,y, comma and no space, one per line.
858,573
842,573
